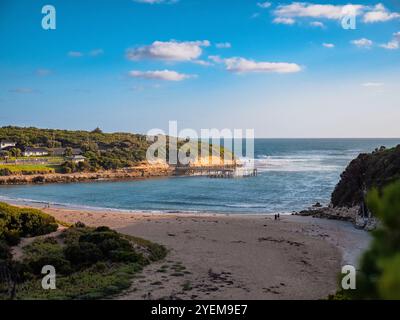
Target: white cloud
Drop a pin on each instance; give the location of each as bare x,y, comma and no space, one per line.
202,63
309,10
380,14
394,43
318,24
223,45
328,45
362,43
166,75
264,5
75,54
169,50
370,14
242,65
280,20
391,45
216,59
373,84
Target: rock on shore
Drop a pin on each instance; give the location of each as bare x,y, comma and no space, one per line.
351,214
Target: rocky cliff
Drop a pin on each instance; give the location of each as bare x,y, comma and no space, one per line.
372,170
367,171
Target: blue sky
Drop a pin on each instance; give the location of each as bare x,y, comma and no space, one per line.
285,69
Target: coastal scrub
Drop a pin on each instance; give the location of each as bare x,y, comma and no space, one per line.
90,263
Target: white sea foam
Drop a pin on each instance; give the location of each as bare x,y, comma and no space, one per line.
302,162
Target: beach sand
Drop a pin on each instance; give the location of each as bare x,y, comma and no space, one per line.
234,256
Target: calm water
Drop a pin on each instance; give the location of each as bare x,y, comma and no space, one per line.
293,174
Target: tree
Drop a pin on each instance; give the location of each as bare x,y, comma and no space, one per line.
97,130
15,152
379,276
5,154
68,152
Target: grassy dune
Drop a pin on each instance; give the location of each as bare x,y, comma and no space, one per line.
90,263
38,168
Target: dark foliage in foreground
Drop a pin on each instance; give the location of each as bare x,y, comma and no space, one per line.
379,276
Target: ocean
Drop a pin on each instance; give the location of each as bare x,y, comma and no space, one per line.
293,174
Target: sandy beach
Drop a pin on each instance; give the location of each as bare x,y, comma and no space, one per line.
234,256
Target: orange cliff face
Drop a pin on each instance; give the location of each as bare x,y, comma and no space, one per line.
211,160
214,161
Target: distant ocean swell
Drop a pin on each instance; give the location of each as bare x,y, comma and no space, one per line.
302,162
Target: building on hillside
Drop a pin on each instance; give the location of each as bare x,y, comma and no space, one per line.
35,152
60,152
5,144
77,159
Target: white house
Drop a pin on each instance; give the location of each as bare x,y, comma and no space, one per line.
5,144
77,159
35,152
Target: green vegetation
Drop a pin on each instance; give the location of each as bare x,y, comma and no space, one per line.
367,171
5,172
96,282
90,263
104,151
23,222
50,159
9,169
379,277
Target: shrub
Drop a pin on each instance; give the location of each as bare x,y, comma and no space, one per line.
5,253
125,256
61,265
46,252
102,229
79,225
379,276
22,222
106,241
83,254
12,237
5,172
77,255
42,247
